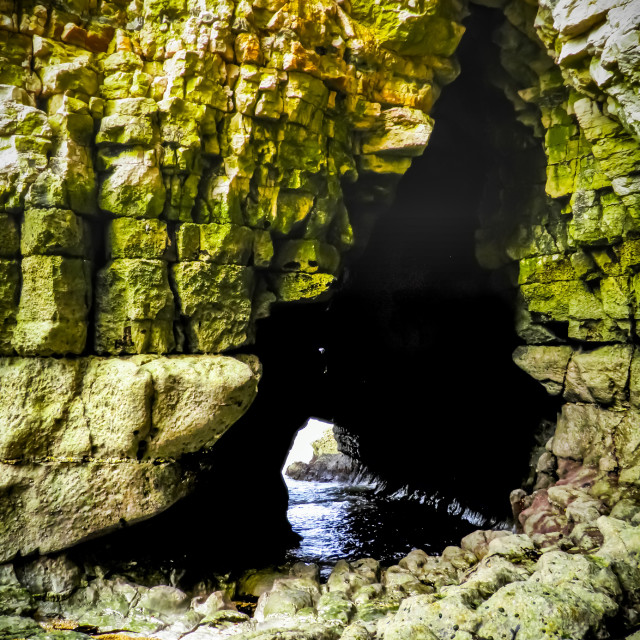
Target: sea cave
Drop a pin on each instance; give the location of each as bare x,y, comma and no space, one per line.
402,236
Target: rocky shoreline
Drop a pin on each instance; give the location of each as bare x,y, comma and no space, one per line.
495,585
328,467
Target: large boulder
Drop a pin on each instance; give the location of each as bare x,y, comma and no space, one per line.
89,444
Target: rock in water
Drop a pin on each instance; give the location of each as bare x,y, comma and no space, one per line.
328,467
327,464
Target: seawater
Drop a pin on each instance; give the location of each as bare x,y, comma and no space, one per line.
350,521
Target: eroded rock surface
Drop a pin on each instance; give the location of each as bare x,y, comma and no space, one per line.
494,586
168,171
210,143
89,444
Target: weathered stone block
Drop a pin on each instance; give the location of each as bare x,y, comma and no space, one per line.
222,201
293,207
131,107
561,300
35,412
617,297
133,190
196,399
71,76
51,506
309,256
585,432
20,169
188,242
65,184
22,119
627,447
599,376
134,308
180,121
9,295
120,408
54,302
219,243
546,364
546,269
216,299
225,244
262,249
290,287
137,238
385,165
126,129
54,232
9,236
182,193
399,131
567,600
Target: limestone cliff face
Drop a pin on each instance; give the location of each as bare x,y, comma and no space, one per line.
168,170
205,144
572,242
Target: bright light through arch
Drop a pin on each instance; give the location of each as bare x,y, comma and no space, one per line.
301,450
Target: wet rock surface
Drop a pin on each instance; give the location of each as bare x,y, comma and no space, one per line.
495,585
212,146
328,467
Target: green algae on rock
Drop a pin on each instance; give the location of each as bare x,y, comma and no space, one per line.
213,144
221,124
74,430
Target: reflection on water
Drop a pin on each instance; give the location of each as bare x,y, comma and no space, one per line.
342,521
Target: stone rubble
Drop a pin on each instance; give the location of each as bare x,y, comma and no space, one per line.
496,585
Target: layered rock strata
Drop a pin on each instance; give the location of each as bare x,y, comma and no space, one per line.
91,444
570,239
209,144
168,170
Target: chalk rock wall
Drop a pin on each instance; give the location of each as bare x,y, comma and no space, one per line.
570,239
168,170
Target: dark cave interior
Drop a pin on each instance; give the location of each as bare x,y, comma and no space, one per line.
416,357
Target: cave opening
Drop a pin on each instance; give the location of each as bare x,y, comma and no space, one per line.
411,360
416,360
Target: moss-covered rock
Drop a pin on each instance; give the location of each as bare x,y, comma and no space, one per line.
305,287
546,364
54,303
54,232
216,303
9,236
53,505
212,393
308,256
219,243
134,308
135,190
9,296
74,430
137,239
